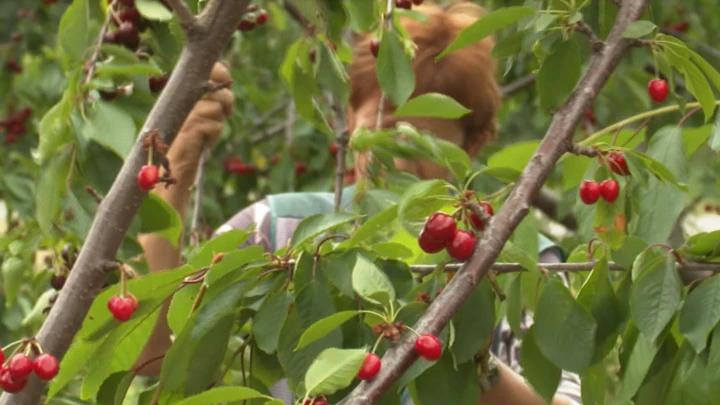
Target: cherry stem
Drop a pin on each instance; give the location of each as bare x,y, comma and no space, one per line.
412,330
377,343
592,246
17,342
688,115
637,130
329,238
198,298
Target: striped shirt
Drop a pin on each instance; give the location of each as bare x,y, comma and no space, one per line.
277,216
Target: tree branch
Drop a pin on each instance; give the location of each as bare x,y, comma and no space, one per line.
556,141
187,19
118,208
683,268
341,138
583,28
547,201
517,85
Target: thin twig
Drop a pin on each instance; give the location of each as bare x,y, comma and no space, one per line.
583,28
289,130
583,150
268,134
92,63
517,85
187,19
341,138
197,200
297,15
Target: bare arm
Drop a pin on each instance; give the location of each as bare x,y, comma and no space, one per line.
205,122
512,389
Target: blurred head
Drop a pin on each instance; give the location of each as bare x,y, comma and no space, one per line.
467,75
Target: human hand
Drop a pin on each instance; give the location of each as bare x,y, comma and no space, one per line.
204,123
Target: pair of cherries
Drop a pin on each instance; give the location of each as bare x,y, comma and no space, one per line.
441,232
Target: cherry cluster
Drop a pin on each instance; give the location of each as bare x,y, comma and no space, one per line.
441,232
15,124
235,165
253,18
127,24
14,374
122,307
407,4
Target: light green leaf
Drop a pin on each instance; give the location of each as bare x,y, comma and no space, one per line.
333,370
638,365
698,86
269,320
115,388
654,298
637,29
12,278
713,362
153,10
394,69
72,364
74,31
432,105
371,283
323,327
564,329
159,217
559,73
55,129
235,260
316,224
221,395
514,156
49,189
487,25
380,221
223,243
715,135
701,313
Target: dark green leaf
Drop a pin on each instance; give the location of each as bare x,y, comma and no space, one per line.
564,329
443,383
701,313
159,217
74,32
593,385
626,254
371,283
559,73
715,136
538,370
323,327
114,389
713,362
111,127
394,69
641,357
55,129
223,243
49,189
269,320
13,270
654,298
333,370
432,105
474,322
316,224
221,395
487,25
332,74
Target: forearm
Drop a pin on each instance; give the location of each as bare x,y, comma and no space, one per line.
512,389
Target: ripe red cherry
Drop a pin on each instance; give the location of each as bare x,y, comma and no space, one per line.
417,2
440,226
147,177
406,4
129,14
618,164
589,192
333,148
428,347
121,308
461,246
9,383
261,18
609,190
300,168
478,222
157,83
19,365
590,115
14,66
45,366
657,89
375,47
246,25
2,357
321,400
428,244
370,367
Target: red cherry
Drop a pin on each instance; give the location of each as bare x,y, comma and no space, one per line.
133,301
10,137
321,400
428,347
370,367
312,54
121,308
589,192
2,357
261,18
130,15
680,26
618,164
417,2
45,366
20,365
246,25
15,36
333,148
657,89
609,190
300,168
478,222
14,66
428,244
147,177
24,113
375,47
406,4
590,115
157,83
440,226
461,246
349,177
9,383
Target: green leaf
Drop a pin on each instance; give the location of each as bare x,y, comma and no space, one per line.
654,298
703,245
115,388
564,329
72,364
269,320
514,156
153,10
222,395
638,365
316,224
610,221
432,105
181,307
223,243
626,254
474,322
235,260
371,283
363,15
324,326
715,135
159,217
111,127
443,383
655,220
12,278
331,73
701,313
558,74
538,370
698,86
486,26
593,385
74,31
338,269
55,129
713,362
421,199
49,189
637,29
380,221
394,68
333,370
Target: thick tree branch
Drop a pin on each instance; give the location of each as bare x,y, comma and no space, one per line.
186,17
114,214
556,142
341,138
583,28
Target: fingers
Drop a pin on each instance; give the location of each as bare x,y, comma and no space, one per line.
221,74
